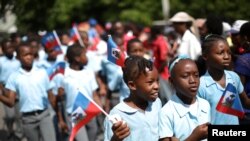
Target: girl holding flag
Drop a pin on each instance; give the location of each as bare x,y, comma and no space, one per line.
213,84
185,116
140,110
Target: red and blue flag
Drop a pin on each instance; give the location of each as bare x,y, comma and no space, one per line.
115,55
84,109
56,69
50,41
230,102
75,36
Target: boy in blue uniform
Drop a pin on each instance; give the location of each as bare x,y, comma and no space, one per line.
32,87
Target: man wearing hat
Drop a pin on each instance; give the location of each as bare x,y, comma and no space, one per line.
188,43
236,38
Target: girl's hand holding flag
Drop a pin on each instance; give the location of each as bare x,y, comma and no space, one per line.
120,128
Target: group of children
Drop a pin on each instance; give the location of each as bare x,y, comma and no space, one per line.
190,110
143,117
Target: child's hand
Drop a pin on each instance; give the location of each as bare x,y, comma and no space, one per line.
120,128
201,131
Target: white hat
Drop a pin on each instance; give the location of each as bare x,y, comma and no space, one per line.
237,25
226,27
181,17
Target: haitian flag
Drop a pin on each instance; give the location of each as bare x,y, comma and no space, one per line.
56,69
115,55
84,110
75,36
230,102
50,40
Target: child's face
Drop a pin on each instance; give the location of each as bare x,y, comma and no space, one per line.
147,86
136,49
8,49
52,54
26,56
185,78
218,56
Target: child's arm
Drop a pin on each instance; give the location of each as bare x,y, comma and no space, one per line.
8,97
97,98
245,100
199,133
101,84
62,123
52,99
120,130
243,96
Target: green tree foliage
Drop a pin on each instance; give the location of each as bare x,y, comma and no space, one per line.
227,9
51,14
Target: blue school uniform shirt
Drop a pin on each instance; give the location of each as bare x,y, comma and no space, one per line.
77,80
179,120
212,92
7,66
31,87
143,126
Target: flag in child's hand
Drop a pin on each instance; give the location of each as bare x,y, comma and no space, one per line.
75,36
115,55
50,41
84,110
56,69
230,102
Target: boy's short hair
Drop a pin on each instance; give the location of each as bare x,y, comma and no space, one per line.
22,44
5,41
134,66
73,51
130,42
245,29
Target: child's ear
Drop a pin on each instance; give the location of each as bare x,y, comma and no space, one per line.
171,82
65,58
131,85
77,59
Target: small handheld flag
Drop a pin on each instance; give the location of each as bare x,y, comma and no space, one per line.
75,36
84,110
56,69
115,55
230,103
51,40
